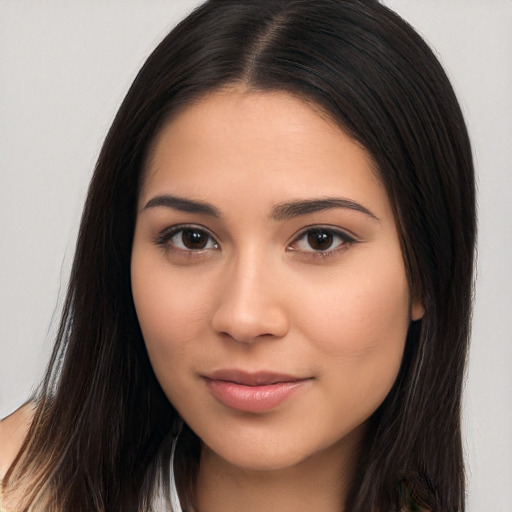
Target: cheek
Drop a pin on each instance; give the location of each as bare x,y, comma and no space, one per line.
171,314
359,331
359,321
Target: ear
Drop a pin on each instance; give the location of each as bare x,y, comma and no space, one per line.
417,310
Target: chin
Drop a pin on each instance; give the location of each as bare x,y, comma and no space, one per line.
258,460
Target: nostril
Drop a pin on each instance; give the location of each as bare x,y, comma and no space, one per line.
250,325
248,308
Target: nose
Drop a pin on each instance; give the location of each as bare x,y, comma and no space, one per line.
250,303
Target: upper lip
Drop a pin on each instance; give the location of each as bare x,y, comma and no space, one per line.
260,378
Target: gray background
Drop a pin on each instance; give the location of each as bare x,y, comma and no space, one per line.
64,69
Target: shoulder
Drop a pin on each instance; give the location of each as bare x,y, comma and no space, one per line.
13,430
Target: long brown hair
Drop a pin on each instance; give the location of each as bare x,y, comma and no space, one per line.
101,434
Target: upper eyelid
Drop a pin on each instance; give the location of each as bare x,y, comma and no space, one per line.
178,227
170,231
333,229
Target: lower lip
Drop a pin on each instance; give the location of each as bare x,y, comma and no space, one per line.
253,398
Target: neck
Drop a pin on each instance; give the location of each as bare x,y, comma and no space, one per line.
319,483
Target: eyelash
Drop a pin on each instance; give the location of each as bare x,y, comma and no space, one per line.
345,240
163,239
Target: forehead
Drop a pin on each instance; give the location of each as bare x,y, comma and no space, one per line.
264,113
268,142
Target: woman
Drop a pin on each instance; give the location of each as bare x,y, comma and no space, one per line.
269,304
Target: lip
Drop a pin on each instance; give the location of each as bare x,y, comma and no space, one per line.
253,392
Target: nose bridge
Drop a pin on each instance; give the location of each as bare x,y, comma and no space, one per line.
249,304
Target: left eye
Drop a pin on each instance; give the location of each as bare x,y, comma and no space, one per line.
189,239
321,240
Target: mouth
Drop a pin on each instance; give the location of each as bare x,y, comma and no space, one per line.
253,392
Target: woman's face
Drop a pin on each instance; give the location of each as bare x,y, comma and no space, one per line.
268,279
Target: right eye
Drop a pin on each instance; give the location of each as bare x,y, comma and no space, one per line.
187,238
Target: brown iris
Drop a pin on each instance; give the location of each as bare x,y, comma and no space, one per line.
320,240
194,239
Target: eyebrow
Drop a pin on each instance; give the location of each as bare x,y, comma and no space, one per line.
182,204
283,211
292,209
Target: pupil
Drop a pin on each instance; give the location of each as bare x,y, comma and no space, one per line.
320,240
194,239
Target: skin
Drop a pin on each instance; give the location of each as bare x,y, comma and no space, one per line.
258,296
13,430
